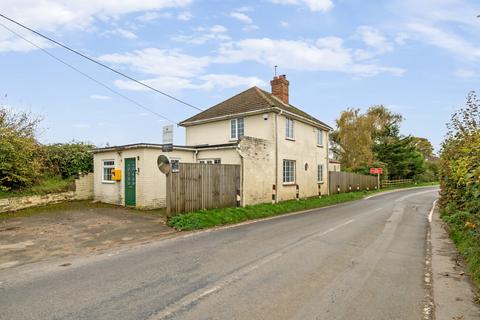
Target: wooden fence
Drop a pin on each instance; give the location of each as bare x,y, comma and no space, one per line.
340,182
388,183
202,186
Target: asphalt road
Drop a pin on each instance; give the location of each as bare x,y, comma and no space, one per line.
360,260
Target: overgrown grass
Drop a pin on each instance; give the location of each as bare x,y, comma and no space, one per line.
465,233
46,185
216,217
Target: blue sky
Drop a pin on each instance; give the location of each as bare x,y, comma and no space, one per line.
419,58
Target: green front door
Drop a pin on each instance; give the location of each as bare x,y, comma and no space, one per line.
130,181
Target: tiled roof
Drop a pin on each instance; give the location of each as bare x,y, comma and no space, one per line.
250,100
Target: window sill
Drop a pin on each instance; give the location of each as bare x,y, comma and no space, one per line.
320,145
320,182
108,182
289,184
291,139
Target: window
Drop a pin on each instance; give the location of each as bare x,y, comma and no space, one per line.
210,161
320,173
288,171
108,166
289,128
237,128
319,137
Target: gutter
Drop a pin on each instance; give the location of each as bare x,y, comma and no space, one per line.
154,146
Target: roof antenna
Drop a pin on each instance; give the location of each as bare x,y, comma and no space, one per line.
276,71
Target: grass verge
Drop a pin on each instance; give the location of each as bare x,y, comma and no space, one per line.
45,186
465,233
217,217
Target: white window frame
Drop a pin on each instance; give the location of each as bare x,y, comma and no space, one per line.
289,129
289,177
237,128
108,166
319,137
210,161
320,169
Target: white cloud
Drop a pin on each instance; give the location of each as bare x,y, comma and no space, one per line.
450,25
205,82
99,97
312,5
401,38
153,15
185,16
10,42
167,63
124,33
466,73
373,38
446,40
229,81
326,54
241,17
203,35
50,14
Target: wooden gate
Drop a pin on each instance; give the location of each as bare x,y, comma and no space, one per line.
196,186
340,182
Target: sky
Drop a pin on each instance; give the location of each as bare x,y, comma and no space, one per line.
418,58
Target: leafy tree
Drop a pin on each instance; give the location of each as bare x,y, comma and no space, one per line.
19,150
460,158
373,139
68,159
424,146
401,157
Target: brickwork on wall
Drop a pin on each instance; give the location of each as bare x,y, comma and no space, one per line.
83,191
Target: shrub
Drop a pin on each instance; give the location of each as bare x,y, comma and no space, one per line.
19,150
68,159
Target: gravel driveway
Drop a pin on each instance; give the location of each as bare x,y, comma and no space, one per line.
74,228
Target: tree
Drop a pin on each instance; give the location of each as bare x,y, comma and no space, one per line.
356,134
68,159
19,150
460,159
424,146
401,157
373,139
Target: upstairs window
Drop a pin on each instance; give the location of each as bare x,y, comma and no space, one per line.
108,166
289,128
237,129
319,137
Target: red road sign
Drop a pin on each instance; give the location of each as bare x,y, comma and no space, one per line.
376,170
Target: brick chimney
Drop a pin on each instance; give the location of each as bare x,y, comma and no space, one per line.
280,87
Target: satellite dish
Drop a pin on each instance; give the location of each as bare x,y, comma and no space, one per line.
163,164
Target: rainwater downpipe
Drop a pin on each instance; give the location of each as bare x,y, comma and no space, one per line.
242,183
276,156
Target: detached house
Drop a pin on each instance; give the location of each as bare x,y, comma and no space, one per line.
282,151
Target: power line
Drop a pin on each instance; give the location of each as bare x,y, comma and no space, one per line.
99,63
88,76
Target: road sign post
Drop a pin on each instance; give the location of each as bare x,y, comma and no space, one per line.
378,172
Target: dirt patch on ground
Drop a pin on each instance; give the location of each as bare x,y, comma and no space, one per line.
74,228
